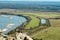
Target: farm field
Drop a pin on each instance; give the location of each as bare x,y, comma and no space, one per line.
51,33
33,23
39,31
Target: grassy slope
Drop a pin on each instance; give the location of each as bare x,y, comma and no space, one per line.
53,33
55,23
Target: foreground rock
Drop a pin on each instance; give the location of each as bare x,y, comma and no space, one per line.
19,36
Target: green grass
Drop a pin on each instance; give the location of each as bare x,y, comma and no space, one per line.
52,33
41,14
33,23
55,23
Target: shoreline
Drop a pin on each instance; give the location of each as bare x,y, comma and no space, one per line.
10,25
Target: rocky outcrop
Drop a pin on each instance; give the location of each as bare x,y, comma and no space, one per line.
18,36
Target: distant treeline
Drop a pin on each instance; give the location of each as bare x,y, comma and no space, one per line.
35,6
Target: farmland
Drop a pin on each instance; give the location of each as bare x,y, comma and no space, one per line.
39,31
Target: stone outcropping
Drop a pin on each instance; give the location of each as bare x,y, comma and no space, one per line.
19,36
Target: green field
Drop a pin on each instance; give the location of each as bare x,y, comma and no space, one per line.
33,23
53,33
50,33
40,14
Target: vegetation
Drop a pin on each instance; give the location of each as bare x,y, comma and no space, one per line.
55,23
33,23
50,33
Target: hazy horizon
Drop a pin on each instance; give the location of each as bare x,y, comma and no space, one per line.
32,0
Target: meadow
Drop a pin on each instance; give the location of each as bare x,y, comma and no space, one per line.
46,33
50,33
